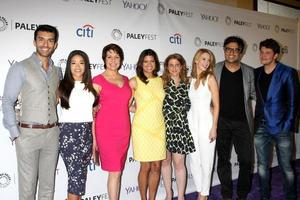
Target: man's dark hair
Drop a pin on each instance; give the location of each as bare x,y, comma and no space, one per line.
237,40
270,44
46,28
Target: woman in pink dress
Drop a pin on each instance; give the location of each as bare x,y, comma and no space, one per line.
112,119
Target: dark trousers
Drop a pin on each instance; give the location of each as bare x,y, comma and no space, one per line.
235,133
264,141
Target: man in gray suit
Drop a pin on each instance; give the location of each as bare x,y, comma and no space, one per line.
34,82
235,125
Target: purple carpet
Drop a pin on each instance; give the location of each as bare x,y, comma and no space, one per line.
277,186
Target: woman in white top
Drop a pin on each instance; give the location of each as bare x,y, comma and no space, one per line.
203,117
76,98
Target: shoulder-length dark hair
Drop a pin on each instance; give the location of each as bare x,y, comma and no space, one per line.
139,65
117,49
183,72
210,68
67,84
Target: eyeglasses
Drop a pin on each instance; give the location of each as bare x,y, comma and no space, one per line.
232,50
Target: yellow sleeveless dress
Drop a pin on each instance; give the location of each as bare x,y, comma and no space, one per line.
148,127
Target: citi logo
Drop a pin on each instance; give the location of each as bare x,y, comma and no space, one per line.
133,5
242,23
263,27
211,18
176,39
86,31
180,13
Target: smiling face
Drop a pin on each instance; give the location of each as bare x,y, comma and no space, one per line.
232,53
112,60
77,67
203,62
45,44
148,66
174,68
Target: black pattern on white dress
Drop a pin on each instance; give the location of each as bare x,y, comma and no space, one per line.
175,107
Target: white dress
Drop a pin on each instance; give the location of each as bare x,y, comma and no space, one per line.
200,122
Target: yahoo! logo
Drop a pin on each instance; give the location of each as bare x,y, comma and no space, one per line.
176,38
86,31
134,5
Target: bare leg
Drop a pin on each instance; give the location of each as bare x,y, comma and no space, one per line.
180,172
73,197
154,179
200,197
166,170
113,185
143,179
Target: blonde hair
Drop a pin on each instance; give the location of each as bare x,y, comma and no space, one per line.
210,68
183,72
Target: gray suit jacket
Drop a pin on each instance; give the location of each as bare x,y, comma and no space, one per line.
249,89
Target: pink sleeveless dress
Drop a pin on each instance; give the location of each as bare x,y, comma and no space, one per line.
113,123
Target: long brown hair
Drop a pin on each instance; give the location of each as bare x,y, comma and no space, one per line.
210,68
67,83
139,65
183,72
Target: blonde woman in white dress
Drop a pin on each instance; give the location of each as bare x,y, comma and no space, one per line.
203,118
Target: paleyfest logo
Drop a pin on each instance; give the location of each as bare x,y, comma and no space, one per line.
228,20
161,9
254,47
277,28
3,23
103,2
197,41
5,180
285,49
210,43
116,34
62,63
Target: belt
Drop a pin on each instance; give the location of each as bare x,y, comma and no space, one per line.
37,126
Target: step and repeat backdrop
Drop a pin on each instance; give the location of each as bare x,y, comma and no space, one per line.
167,26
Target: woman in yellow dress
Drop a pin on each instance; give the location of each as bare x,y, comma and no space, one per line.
148,128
